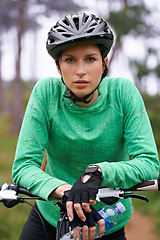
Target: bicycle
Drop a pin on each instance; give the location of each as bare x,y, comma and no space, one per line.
10,197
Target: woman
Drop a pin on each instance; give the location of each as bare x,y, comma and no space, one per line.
87,122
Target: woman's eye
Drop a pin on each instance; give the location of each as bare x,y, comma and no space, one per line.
69,60
90,59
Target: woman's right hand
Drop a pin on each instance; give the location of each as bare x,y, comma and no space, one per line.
88,225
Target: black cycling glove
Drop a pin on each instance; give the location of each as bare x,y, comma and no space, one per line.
85,191
91,218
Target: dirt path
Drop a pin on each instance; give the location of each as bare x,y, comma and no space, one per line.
140,227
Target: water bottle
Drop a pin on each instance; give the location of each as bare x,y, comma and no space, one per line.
110,216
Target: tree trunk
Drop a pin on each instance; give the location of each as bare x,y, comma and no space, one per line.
33,60
17,84
3,101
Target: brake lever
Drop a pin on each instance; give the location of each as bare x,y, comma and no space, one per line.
134,195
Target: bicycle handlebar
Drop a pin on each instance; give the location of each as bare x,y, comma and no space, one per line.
9,196
107,195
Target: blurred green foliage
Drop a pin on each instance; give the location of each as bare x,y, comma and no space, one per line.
153,108
11,220
152,104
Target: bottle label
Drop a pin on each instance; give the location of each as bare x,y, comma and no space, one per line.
103,214
108,223
119,208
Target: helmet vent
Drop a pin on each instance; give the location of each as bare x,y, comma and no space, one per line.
76,22
67,35
65,20
85,18
90,30
60,30
94,24
57,25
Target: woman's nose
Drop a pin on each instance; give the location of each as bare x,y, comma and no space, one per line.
81,68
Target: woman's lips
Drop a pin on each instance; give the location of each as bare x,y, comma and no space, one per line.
81,83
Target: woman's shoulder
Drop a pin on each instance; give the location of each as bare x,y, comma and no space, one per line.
117,85
47,89
117,82
47,82
47,86
119,91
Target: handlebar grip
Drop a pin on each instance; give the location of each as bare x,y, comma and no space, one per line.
149,185
21,190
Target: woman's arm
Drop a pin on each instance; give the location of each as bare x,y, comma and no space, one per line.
143,161
32,142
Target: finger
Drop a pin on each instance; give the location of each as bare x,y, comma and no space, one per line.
86,207
96,215
79,211
92,196
92,231
92,202
69,207
76,221
76,233
101,224
85,232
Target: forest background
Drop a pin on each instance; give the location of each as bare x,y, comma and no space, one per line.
24,60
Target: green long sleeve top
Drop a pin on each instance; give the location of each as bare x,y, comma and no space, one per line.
113,133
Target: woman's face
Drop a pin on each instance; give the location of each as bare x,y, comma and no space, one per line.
81,68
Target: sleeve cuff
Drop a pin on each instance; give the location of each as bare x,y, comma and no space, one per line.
48,187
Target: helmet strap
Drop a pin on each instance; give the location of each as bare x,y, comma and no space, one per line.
74,98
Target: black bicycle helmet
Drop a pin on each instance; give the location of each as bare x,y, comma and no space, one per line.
78,29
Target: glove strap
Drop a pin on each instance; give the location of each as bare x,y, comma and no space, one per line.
90,170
